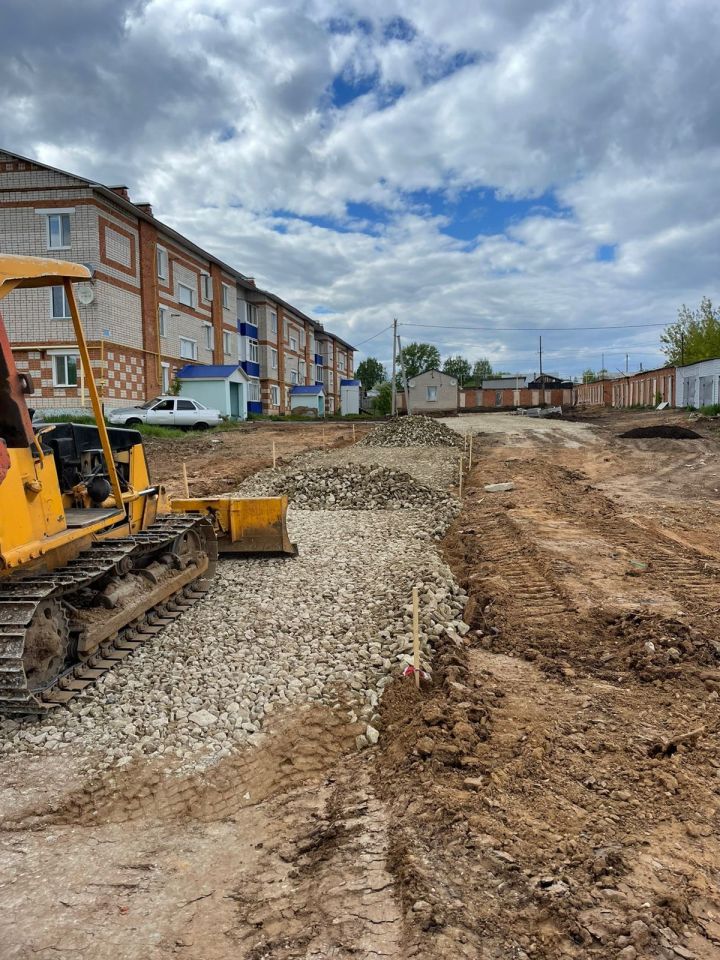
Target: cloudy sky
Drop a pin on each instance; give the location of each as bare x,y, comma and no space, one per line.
485,171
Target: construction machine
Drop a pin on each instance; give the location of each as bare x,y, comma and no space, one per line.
91,563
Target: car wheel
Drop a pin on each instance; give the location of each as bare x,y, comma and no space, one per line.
202,426
133,422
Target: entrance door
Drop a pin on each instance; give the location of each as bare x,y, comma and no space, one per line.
234,399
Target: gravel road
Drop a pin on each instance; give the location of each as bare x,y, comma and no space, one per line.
329,626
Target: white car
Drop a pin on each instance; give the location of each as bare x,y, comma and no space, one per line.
167,412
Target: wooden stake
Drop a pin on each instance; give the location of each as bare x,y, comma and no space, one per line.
461,477
274,455
324,444
416,636
470,459
187,487
353,426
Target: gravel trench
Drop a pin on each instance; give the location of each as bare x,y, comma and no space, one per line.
331,626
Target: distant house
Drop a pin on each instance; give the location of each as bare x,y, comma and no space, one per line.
431,392
546,381
223,387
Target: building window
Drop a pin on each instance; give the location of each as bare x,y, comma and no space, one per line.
165,373
251,309
273,322
293,343
162,321
301,370
188,349
209,336
58,231
65,370
226,296
254,391
341,362
285,330
275,395
186,295
253,351
431,393
227,342
59,306
206,286
162,263
302,337
273,359
293,376
312,373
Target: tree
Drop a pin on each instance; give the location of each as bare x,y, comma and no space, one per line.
382,404
694,336
418,357
457,367
482,370
370,372
589,376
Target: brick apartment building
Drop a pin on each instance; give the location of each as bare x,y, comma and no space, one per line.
156,302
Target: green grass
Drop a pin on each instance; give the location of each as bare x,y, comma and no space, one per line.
711,410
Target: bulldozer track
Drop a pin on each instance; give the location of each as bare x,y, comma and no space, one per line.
20,599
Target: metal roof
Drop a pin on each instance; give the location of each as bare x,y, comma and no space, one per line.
349,383
310,390
207,371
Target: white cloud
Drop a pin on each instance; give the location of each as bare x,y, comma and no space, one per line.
220,113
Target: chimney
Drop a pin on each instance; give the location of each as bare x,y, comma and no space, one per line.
121,192
145,207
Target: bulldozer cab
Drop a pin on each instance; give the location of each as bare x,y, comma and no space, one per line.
69,480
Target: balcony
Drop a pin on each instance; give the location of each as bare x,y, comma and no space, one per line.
319,360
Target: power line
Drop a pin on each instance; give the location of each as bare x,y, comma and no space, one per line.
444,326
384,330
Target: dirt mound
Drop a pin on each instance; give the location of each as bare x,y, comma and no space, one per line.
663,431
413,432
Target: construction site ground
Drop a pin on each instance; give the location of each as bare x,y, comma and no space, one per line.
552,792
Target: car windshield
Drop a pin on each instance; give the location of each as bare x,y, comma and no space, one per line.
150,403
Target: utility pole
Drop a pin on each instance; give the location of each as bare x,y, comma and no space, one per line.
682,349
541,357
602,364
394,384
627,361
405,380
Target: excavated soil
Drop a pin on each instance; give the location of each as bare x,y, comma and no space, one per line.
662,432
553,792
218,461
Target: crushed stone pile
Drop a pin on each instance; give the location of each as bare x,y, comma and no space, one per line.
330,626
412,432
353,487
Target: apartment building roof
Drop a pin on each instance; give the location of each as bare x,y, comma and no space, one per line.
143,211
303,316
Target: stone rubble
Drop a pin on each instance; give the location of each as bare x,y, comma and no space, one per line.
331,626
415,431
353,487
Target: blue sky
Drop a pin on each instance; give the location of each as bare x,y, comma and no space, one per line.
486,172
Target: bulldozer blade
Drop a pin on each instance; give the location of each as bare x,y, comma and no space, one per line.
244,525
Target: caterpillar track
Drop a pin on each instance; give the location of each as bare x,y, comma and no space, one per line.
61,630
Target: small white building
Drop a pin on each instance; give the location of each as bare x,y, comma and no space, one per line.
349,397
698,384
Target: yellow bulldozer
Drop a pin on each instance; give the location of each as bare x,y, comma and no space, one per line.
92,563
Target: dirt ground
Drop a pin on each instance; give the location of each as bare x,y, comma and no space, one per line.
218,461
553,793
